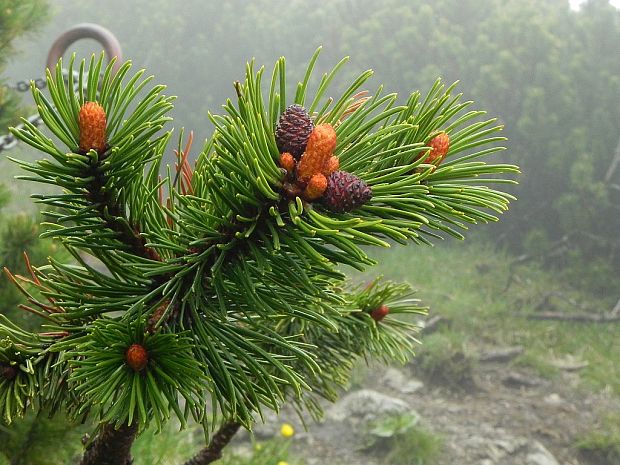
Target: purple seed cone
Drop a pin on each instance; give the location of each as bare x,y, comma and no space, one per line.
8,372
293,129
345,192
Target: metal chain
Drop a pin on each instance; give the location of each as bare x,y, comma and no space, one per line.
24,86
9,141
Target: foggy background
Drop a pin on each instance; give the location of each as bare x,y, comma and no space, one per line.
549,70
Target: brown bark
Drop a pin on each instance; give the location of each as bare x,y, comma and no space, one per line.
111,446
213,451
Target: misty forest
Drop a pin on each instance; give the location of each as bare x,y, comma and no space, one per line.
345,232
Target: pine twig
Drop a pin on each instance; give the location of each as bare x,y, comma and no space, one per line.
109,211
213,451
111,446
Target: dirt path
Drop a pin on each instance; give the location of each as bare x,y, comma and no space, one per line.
510,415
506,417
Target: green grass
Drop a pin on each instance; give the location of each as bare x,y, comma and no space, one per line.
38,440
417,446
171,446
272,452
444,361
401,440
602,445
468,283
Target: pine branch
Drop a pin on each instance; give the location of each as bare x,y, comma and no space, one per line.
219,441
104,182
228,297
111,446
114,216
104,207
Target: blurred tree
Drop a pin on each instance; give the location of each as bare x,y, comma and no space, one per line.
197,48
552,75
16,19
19,233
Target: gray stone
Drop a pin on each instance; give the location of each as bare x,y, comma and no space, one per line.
517,380
508,446
269,428
397,380
539,455
366,405
553,399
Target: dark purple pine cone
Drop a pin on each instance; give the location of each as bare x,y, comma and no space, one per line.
293,129
8,372
345,192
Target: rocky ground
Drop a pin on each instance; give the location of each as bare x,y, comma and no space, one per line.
504,416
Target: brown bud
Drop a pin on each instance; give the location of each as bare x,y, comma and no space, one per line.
92,124
345,192
137,357
316,187
287,161
440,144
380,312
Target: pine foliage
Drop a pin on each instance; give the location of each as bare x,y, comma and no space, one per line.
235,290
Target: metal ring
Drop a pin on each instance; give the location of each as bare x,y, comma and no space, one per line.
8,142
102,35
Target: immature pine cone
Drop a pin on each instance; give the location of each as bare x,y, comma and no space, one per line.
293,129
137,357
345,192
8,372
380,312
440,144
287,162
92,124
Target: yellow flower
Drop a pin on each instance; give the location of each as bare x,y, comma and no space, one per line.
287,431
282,463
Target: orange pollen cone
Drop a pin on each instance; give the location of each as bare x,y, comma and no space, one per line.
92,124
316,187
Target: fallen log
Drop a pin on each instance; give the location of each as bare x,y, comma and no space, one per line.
579,317
434,323
501,355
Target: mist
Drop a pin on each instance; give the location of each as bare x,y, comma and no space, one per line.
521,359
